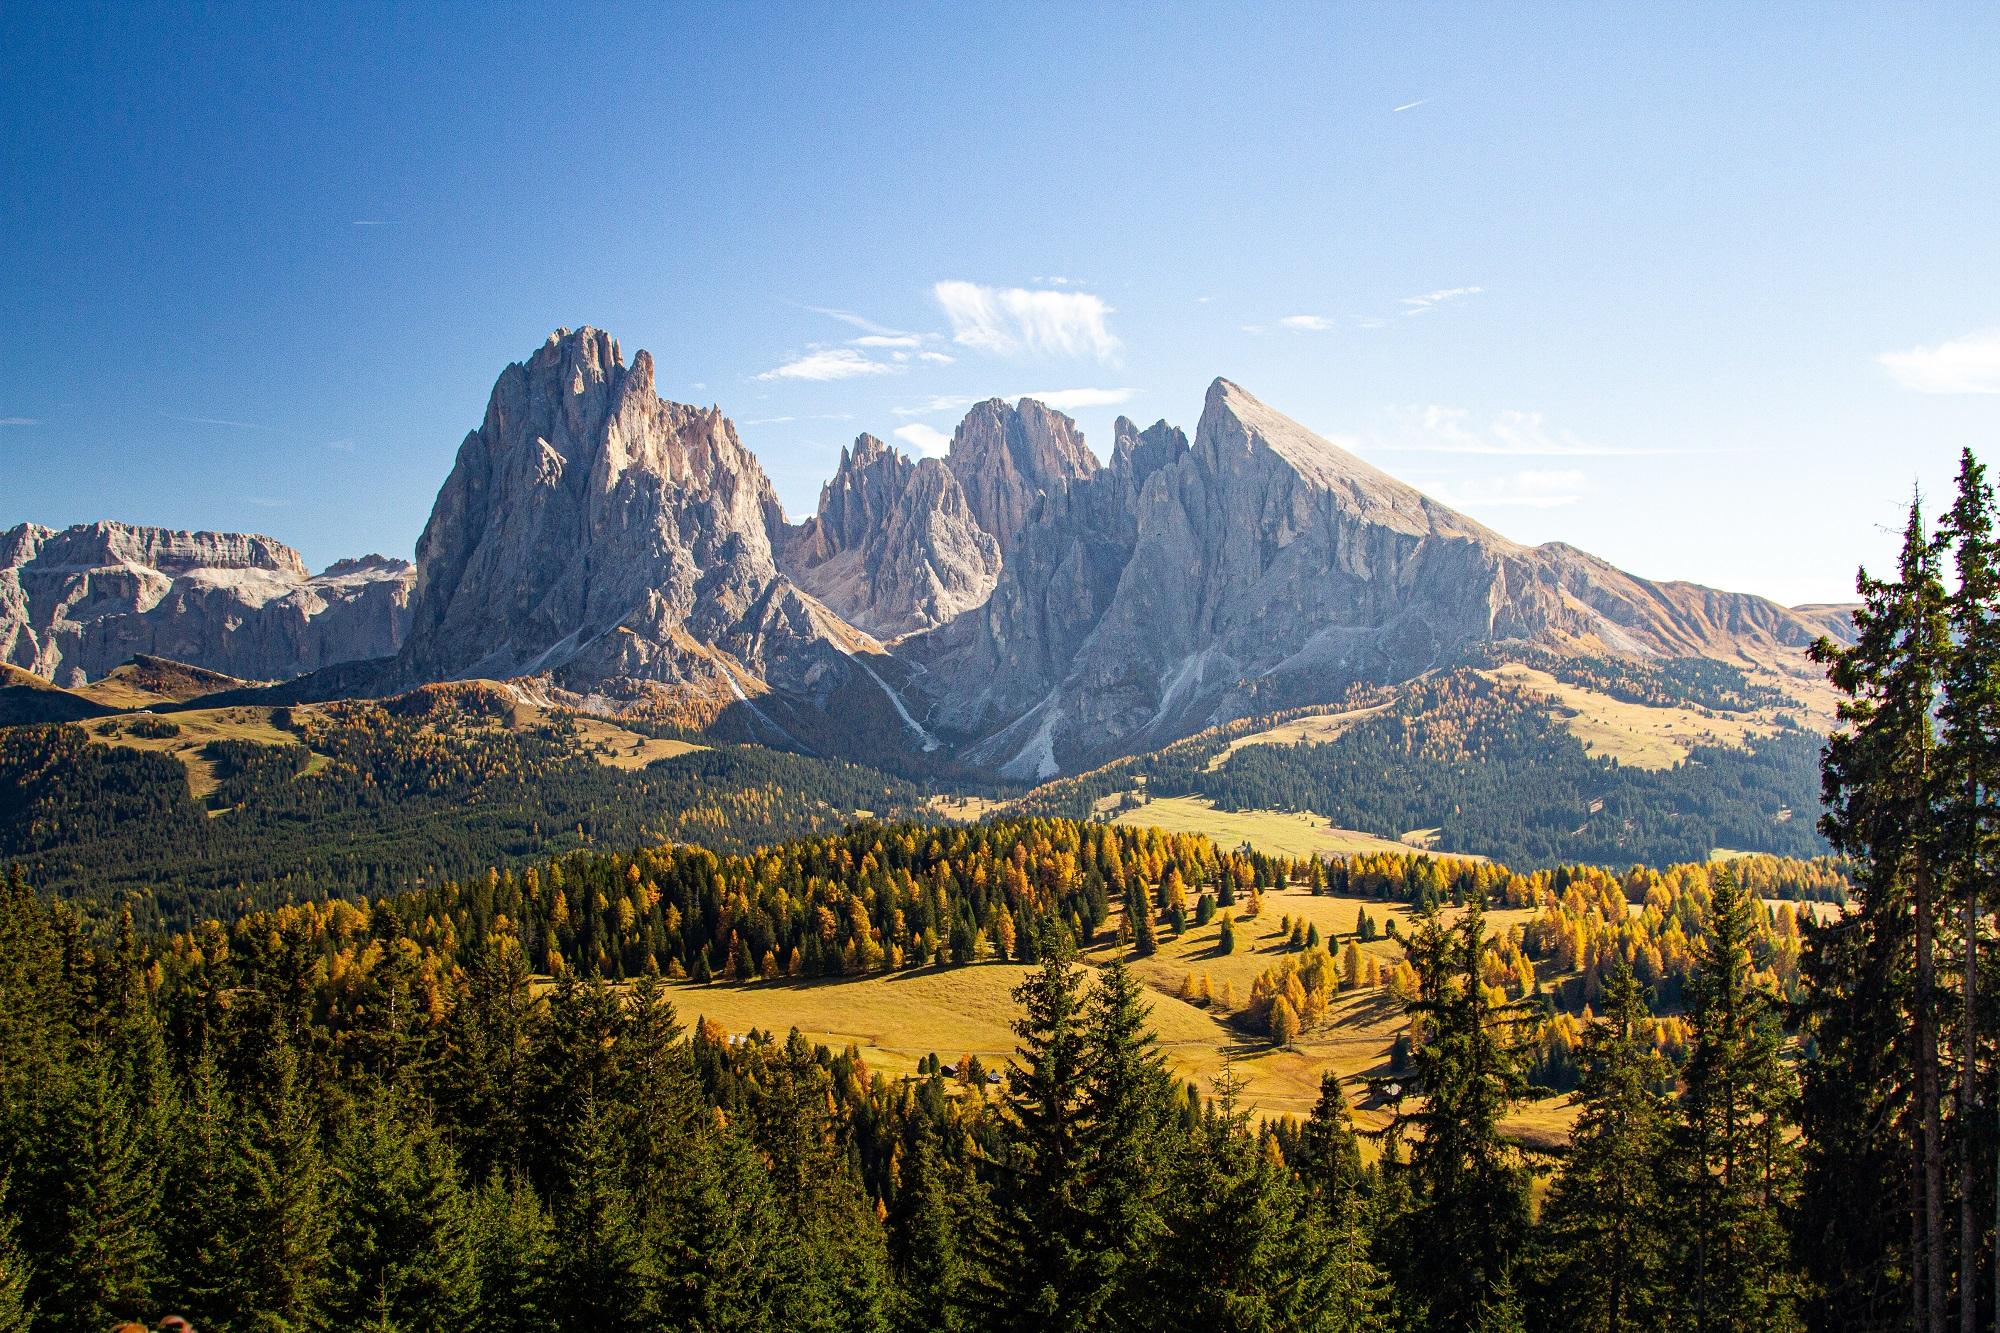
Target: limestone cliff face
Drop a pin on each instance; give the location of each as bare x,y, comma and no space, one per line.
617,550
1266,567
76,604
894,547
592,532
1006,458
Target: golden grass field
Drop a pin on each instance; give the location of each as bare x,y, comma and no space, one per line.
1636,734
198,727
895,1020
605,742
1313,728
614,746
1279,832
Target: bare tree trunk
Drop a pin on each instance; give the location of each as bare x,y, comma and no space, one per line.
1927,1101
1968,1228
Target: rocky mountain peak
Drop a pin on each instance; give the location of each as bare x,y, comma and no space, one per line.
594,532
894,546
1137,454
1006,458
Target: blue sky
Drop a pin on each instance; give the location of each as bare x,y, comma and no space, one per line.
1704,289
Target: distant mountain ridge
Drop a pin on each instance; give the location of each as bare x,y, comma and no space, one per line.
1016,607
76,604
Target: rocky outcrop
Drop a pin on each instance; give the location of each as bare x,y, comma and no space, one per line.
1268,568
894,547
1006,458
77,603
595,534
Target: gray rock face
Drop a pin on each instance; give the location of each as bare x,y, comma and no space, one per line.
894,547
1048,613
1266,568
78,603
592,532
1007,457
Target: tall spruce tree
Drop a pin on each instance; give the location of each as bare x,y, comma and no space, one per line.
280,1167
1601,1247
1872,1103
16,1314
1735,1161
932,1265
1042,1269
1127,1108
401,1251
1969,761
1453,1250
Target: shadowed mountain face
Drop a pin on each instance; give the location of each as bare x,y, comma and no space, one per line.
1047,612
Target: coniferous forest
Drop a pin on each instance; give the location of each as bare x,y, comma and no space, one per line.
474,1104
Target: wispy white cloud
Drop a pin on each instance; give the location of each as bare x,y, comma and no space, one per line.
861,322
1069,400
1429,301
1434,429
341,446
1970,364
1306,323
1017,321
937,358
936,403
1531,488
215,421
888,340
926,440
371,222
829,363
1410,106
20,421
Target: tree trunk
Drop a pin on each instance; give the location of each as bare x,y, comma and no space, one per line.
1927,1099
1968,1229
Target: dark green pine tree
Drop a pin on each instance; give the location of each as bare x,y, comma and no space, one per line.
1039,1266
832,1272
283,1197
512,1251
401,1252
1330,1152
483,1067
1969,763
202,1223
1453,1250
1601,1248
1871,1100
1735,1164
90,1199
1247,1248
704,1202
601,1277
1127,1110
931,1261
16,1315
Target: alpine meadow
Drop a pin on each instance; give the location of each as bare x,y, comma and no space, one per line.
798,828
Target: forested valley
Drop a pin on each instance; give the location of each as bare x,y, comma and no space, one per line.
475,1103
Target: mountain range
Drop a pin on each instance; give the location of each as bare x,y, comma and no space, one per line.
1015,607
